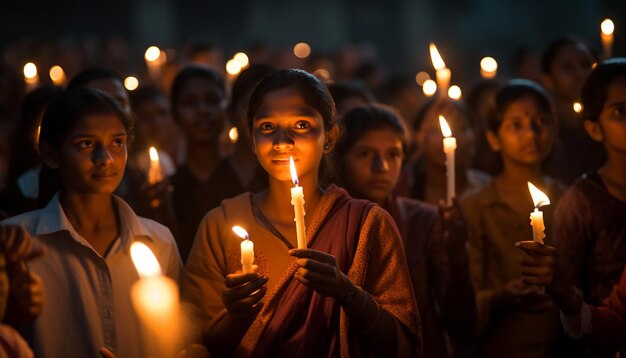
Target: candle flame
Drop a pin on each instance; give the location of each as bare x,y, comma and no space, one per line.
233,134
233,67
57,74
302,50
578,107
145,262
454,92
242,59
30,70
241,232
152,54
429,87
607,27
292,169
539,198
488,64
445,128
131,83
435,57
154,155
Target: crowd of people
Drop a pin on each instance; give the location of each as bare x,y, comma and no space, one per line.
389,268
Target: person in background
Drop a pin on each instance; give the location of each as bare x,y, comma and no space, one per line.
349,94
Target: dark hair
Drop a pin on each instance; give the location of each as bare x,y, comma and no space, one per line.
348,89
593,94
24,153
547,59
314,92
477,91
61,117
89,75
361,120
145,94
193,72
315,95
512,91
247,80
429,103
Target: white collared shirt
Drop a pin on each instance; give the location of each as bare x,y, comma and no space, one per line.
87,302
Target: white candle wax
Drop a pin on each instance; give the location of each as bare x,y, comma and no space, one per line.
606,34
449,147
443,81
297,200
247,249
536,218
155,173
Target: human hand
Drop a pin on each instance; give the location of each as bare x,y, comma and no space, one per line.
106,353
454,228
319,271
243,292
540,267
157,193
16,244
26,298
517,295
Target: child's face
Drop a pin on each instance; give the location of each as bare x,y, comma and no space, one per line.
570,69
92,156
612,120
154,121
115,89
430,139
200,111
526,133
373,164
284,126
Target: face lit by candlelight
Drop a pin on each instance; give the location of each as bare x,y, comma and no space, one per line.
200,110
373,165
284,126
92,157
526,133
610,129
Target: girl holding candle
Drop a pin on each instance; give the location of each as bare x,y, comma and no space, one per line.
513,320
370,156
87,271
347,294
589,226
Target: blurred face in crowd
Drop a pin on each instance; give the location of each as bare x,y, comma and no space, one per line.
526,133
200,111
154,121
373,164
569,70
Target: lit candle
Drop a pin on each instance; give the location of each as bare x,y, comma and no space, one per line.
449,146
155,58
488,67
57,75
607,28
247,249
31,76
233,135
155,174
297,200
578,107
155,299
443,73
536,218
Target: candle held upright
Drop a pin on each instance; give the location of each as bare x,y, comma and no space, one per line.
606,35
155,173
536,218
247,249
449,147
297,200
156,302
443,73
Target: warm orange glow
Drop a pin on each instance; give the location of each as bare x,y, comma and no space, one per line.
436,57
488,64
322,74
454,92
577,107
302,50
57,75
241,232
429,88
233,67
152,54
292,169
539,198
445,128
421,77
154,155
30,70
233,134
131,83
242,59
607,27
144,260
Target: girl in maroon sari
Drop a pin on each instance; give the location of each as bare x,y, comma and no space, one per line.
347,294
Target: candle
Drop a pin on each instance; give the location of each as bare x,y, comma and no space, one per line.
247,249
449,146
443,73
31,76
297,200
536,218
155,299
606,35
57,75
155,58
155,174
488,67
454,92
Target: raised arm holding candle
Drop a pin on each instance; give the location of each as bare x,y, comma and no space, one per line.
155,299
443,73
449,146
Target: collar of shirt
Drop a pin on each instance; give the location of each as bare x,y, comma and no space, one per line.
53,219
